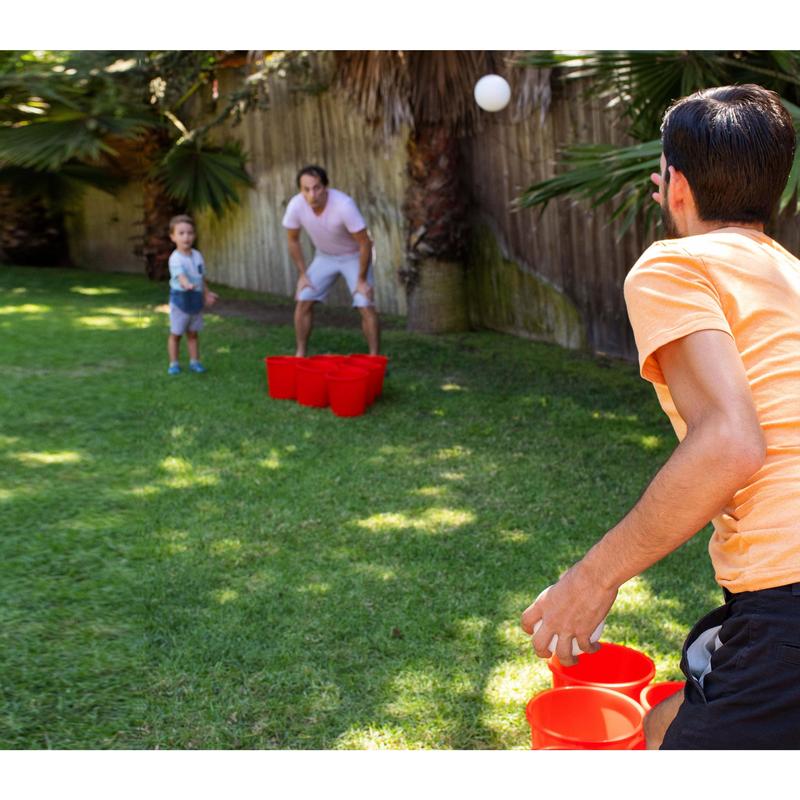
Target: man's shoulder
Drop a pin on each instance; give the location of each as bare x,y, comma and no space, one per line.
340,197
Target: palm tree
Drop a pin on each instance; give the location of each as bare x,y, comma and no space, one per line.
431,93
641,85
77,118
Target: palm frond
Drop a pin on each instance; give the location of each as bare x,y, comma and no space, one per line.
48,144
204,177
791,191
601,173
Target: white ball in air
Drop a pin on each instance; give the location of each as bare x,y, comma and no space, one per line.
492,93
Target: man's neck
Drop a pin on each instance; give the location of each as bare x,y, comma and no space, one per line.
699,226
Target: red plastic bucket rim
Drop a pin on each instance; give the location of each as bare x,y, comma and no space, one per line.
556,667
349,374
672,687
278,359
592,690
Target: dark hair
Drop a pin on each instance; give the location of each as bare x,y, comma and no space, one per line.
317,172
735,145
178,219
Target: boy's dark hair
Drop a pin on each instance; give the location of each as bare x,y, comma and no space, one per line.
735,145
181,218
315,171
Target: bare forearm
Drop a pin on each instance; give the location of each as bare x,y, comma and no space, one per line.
364,256
296,254
694,485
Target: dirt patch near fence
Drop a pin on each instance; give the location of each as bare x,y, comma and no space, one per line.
279,314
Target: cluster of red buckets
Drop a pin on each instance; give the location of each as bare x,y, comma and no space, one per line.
348,384
599,703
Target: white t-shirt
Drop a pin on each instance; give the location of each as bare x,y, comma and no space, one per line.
330,231
191,266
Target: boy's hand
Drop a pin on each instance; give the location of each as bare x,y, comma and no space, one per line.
211,298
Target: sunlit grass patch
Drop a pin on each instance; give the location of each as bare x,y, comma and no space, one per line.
63,457
431,520
95,291
223,596
25,308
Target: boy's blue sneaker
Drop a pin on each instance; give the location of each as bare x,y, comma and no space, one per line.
174,369
196,366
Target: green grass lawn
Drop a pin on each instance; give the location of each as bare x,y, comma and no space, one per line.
186,563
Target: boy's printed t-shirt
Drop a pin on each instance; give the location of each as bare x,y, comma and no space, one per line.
330,231
191,266
742,282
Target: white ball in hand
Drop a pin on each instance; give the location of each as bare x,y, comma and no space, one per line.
492,93
576,650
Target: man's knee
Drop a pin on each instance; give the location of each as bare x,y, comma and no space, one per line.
659,718
368,312
304,306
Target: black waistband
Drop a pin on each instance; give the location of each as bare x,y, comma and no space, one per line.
789,588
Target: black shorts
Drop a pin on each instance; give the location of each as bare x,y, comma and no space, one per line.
751,697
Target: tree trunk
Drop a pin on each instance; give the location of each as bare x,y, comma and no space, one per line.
435,210
138,160
437,303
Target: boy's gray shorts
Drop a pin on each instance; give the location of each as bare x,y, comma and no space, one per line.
180,322
325,269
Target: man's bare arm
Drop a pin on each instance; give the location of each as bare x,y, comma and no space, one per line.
364,258
723,447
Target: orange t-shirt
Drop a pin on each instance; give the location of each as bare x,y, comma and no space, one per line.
742,282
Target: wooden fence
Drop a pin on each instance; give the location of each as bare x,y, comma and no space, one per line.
555,275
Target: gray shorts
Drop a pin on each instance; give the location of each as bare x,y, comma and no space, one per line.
180,322
324,271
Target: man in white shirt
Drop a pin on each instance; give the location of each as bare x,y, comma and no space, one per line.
342,247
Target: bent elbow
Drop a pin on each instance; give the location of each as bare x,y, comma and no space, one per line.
747,453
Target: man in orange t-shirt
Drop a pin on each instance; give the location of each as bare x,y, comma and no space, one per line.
715,311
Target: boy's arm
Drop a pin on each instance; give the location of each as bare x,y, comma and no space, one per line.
724,446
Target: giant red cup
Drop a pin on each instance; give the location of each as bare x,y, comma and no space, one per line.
613,666
312,383
375,371
585,718
347,391
281,376
653,694
372,360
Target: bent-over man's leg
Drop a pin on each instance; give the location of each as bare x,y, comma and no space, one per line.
303,323
371,327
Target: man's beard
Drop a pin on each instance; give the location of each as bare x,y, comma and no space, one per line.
668,222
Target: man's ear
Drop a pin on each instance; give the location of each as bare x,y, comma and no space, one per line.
679,188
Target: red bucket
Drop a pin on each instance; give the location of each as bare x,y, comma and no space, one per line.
281,376
585,718
375,373
347,391
653,694
329,359
373,360
312,383
613,666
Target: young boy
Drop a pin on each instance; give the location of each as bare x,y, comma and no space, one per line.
188,294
